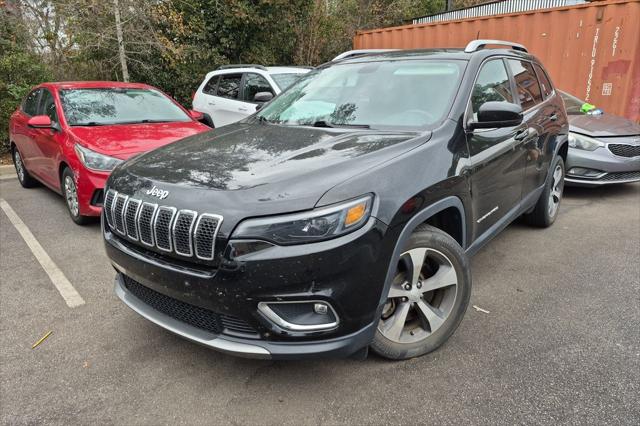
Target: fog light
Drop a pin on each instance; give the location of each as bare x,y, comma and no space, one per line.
585,172
320,308
308,315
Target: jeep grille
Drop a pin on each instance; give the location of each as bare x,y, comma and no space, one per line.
183,232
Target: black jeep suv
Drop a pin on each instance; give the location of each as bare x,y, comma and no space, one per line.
341,215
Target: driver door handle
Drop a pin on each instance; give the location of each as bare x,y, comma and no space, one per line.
522,134
243,109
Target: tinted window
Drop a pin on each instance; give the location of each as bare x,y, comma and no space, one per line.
30,104
254,83
389,94
229,86
95,107
547,88
529,91
48,106
492,85
210,87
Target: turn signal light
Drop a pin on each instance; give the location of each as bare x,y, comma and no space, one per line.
354,214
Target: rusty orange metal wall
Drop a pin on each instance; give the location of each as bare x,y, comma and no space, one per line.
591,51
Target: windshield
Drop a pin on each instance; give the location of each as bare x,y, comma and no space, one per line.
572,104
393,94
100,107
285,80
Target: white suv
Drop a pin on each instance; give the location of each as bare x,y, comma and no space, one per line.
232,92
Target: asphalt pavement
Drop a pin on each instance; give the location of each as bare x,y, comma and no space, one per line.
560,342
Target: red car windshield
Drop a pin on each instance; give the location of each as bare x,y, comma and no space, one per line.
103,107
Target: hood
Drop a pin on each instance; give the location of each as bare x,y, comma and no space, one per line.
259,169
126,140
604,125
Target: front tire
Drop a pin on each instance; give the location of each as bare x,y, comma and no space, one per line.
24,177
70,193
427,299
546,210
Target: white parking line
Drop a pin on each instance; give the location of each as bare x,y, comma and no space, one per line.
7,177
57,277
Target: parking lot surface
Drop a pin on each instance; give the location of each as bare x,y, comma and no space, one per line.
560,342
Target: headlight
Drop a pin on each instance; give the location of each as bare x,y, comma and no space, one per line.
93,160
583,142
308,227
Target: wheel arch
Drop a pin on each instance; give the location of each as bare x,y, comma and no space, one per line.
429,215
63,165
563,150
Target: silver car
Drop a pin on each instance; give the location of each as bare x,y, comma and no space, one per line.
603,148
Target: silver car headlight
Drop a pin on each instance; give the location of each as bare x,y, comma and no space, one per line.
308,227
96,161
583,142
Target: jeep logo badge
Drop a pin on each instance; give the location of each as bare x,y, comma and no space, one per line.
157,192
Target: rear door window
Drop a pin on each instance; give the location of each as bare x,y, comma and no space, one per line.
229,86
30,104
48,106
210,87
545,83
529,91
255,83
492,85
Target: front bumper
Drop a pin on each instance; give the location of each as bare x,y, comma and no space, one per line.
346,272
614,169
89,183
339,347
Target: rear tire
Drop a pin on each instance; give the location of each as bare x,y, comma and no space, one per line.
425,304
546,210
24,177
70,193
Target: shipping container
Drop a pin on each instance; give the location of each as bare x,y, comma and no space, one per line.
591,51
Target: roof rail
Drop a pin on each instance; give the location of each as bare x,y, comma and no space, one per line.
228,66
476,45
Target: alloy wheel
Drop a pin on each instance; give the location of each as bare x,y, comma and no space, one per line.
71,195
421,297
17,160
556,190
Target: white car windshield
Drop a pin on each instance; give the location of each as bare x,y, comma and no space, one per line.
390,94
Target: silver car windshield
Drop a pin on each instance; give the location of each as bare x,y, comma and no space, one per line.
413,94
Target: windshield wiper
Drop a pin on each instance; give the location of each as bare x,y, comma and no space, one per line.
90,124
324,123
146,120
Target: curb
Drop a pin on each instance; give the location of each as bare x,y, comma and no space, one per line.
7,170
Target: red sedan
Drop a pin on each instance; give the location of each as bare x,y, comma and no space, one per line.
69,136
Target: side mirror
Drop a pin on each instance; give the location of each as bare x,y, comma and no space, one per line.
196,115
497,114
263,97
40,122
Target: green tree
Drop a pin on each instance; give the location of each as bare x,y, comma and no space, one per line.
20,67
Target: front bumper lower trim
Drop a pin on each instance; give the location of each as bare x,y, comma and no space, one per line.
186,331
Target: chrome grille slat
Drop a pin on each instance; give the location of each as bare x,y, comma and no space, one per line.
118,212
180,232
205,234
108,206
162,227
146,216
131,218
